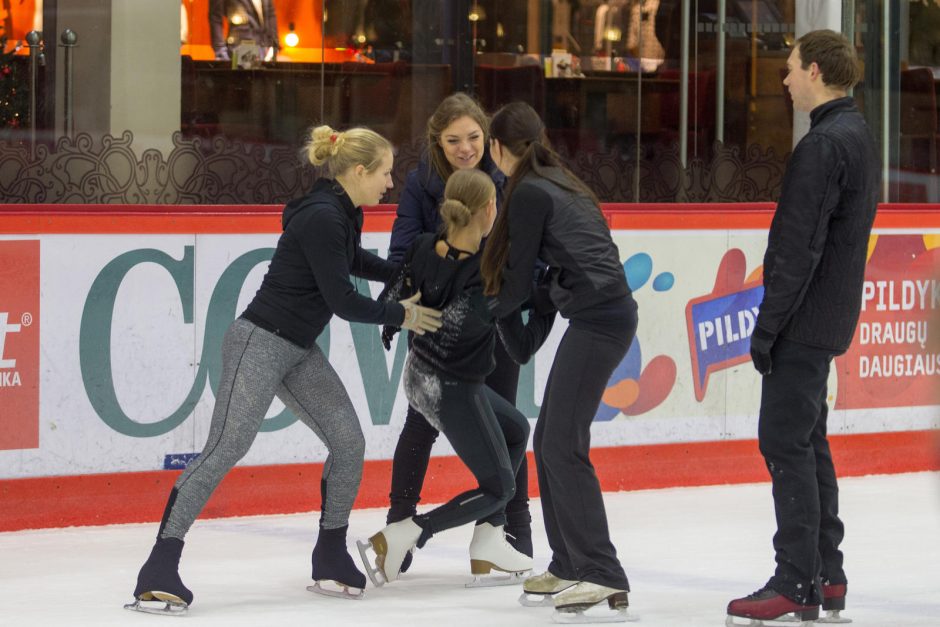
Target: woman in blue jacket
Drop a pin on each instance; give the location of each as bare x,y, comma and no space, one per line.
457,140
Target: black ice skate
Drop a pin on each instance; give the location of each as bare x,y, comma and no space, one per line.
833,603
333,570
159,587
592,603
769,607
390,546
491,551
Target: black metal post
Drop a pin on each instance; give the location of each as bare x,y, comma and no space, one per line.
34,41
69,40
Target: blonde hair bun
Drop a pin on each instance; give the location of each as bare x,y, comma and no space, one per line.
341,150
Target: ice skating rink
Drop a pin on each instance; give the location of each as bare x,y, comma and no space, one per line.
687,552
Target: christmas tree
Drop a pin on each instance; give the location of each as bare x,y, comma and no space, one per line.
14,106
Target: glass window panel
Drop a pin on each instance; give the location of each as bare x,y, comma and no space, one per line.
239,91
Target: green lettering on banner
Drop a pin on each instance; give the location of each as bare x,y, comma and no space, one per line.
95,335
94,342
525,392
219,316
380,386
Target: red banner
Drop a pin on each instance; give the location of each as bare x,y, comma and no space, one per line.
894,360
19,344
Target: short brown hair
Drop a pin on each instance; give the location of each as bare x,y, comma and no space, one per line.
835,56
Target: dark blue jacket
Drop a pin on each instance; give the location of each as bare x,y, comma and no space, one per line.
421,199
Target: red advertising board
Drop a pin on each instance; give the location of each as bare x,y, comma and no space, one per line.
19,344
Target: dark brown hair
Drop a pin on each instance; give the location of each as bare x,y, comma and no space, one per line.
452,108
519,130
835,56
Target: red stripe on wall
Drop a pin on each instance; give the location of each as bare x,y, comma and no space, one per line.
202,219
289,488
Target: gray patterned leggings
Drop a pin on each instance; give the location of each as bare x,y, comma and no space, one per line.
256,366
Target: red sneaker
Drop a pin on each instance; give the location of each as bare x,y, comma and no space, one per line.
768,604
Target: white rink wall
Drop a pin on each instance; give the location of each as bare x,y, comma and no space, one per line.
152,307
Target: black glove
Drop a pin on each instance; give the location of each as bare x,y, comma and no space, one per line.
761,343
540,300
388,332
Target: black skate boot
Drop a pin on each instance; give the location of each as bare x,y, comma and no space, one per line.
769,605
159,581
833,603
331,564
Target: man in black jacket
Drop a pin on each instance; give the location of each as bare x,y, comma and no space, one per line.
814,269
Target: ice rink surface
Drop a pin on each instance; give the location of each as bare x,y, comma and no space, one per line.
687,552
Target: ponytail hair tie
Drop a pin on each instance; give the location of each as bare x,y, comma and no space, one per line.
333,138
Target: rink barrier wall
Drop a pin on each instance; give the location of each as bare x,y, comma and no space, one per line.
95,499
139,497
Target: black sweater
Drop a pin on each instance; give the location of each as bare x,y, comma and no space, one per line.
463,347
308,279
814,266
567,231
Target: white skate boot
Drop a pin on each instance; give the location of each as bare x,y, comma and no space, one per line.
584,603
390,547
538,590
489,551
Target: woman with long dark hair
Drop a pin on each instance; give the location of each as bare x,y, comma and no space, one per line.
551,215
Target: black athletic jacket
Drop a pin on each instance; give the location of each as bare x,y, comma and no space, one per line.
814,266
567,231
308,279
463,347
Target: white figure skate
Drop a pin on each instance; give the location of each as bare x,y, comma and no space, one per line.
157,602
591,603
489,551
390,547
537,591
331,588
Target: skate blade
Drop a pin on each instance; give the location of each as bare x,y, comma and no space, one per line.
833,617
340,591
787,619
530,599
600,614
374,571
502,579
159,603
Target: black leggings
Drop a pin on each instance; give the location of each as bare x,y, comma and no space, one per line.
413,453
488,434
